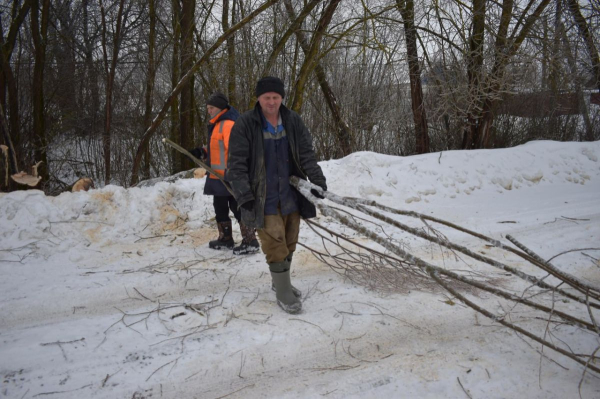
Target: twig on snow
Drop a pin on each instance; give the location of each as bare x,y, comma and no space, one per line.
164,365
463,388
107,377
313,324
573,250
242,362
60,344
231,393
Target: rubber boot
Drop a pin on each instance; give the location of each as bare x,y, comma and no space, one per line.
286,299
225,240
249,244
295,290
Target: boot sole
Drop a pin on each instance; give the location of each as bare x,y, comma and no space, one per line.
290,309
220,247
245,251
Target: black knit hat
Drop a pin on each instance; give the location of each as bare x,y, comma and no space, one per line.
270,84
218,100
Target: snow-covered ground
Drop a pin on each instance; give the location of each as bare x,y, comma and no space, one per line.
82,276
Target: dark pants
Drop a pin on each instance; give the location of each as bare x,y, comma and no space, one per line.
223,205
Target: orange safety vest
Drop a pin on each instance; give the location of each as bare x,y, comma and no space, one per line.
219,144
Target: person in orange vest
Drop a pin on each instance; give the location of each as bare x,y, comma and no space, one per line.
223,117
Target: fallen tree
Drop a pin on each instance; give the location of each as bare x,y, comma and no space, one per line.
560,304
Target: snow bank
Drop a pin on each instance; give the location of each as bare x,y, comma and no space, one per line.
451,174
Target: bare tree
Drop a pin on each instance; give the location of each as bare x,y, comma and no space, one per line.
588,39
397,77
8,83
231,72
150,78
484,90
186,101
185,78
343,132
110,66
407,10
39,30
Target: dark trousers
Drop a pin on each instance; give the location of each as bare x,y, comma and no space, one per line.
222,206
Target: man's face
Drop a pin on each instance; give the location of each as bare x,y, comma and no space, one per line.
212,110
270,103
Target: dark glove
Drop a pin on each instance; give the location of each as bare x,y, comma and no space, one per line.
316,193
199,153
249,206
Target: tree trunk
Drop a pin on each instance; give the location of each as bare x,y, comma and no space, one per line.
554,74
589,130
186,104
486,116
309,58
13,166
110,80
8,87
407,9
343,133
90,127
149,84
587,37
174,132
474,72
231,73
39,32
484,92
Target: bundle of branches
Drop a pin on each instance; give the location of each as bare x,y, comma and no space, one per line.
561,305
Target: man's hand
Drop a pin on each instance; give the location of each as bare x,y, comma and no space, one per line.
316,193
249,206
200,153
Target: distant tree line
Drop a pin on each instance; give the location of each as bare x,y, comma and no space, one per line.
90,87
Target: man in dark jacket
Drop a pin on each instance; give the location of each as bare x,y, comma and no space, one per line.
268,145
223,117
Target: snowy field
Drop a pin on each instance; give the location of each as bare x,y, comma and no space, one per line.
114,293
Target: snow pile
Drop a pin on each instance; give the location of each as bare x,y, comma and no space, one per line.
451,174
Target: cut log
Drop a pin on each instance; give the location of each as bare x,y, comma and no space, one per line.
26,179
199,173
83,184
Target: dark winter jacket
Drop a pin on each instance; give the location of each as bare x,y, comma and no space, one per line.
246,171
215,186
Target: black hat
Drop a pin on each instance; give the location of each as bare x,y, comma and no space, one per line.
218,100
270,84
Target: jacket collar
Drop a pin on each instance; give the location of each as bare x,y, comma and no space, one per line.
229,113
219,115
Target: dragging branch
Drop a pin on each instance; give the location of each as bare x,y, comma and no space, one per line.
396,266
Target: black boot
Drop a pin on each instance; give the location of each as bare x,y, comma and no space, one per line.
286,299
295,290
225,240
249,244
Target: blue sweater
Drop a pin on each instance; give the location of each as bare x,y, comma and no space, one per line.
277,165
